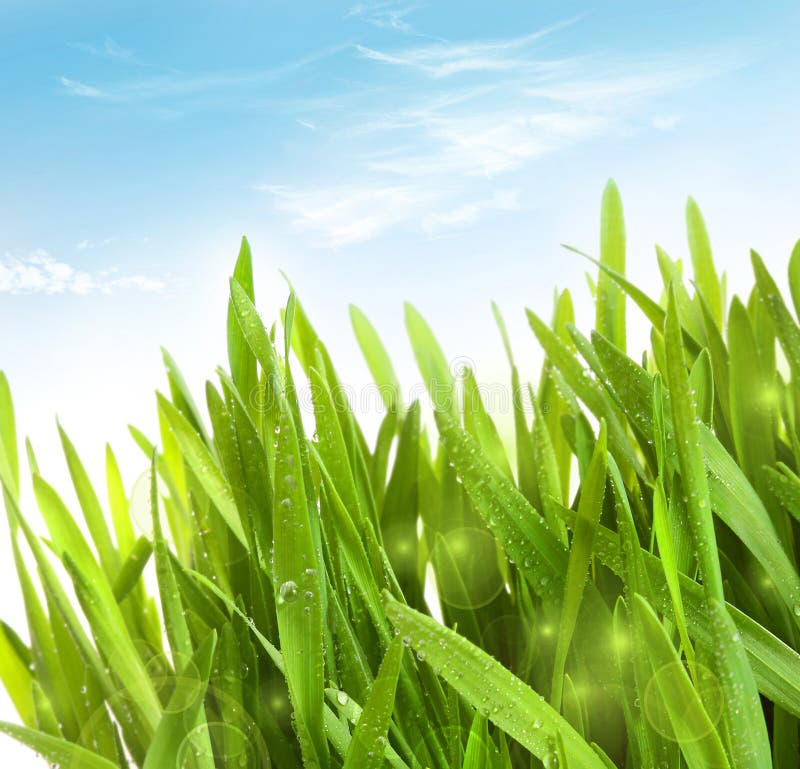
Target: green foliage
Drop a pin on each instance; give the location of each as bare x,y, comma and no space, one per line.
616,586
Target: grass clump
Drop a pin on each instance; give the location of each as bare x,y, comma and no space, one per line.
649,619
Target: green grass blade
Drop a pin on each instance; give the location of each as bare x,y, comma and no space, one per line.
298,595
610,299
745,726
751,417
690,455
480,425
588,390
669,560
701,381
131,570
794,277
580,555
241,359
525,535
378,361
705,274
490,688
185,717
118,504
673,691
205,467
57,751
17,678
785,326
90,506
432,363
9,457
369,739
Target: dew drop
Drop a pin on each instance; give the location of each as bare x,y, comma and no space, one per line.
288,592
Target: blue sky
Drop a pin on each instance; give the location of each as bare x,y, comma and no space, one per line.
376,152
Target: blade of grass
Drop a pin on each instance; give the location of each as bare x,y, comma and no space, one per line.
610,298
298,595
705,274
369,739
580,556
205,467
378,361
57,751
693,729
496,692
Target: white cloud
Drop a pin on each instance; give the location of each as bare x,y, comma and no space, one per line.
345,215
466,213
384,15
86,244
76,88
665,122
495,128
492,143
40,273
445,59
171,84
110,49
455,117
307,124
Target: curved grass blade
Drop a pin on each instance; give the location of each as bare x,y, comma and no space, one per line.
693,729
90,506
378,361
57,751
369,739
205,468
525,535
478,422
432,363
131,570
490,688
588,390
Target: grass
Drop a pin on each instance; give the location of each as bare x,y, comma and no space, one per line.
649,619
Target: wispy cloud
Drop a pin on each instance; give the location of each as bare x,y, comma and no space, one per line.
109,49
77,88
497,127
343,215
445,59
665,122
466,213
489,144
427,133
171,85
384,15
40,273
87,245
